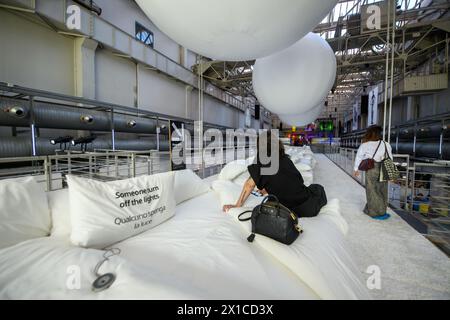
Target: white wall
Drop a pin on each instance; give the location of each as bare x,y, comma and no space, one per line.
125,13
115,79
32,55
159,94
35,56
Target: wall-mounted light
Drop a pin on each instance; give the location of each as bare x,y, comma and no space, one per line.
87,119
131,123
17,111
83,142
61,140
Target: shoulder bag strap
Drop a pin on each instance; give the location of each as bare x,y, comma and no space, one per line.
386,153
376,150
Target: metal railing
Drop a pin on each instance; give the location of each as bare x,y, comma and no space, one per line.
422,191
108,165
102,165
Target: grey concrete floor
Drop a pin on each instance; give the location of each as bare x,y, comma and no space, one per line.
411,266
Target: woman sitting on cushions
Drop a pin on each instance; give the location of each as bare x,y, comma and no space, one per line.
286,182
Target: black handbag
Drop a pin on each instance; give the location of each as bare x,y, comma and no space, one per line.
273,220
368,164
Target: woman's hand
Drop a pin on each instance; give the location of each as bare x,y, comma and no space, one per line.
356,174
228,207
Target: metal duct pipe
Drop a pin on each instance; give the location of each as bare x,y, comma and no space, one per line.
406,133
21,146
425,149
14,114
52,116
432,131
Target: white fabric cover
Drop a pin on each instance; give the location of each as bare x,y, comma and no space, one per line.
319,256
242,178
233,169
303,167
296,158
98,218
308,178
297,79
215,29
24,211
60,212
188,185
229,193
199,254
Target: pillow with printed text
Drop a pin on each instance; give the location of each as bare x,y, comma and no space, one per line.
104,213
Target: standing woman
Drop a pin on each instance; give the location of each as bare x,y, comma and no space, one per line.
375,148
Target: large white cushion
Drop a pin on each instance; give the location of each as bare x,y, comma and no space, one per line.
242,178
233,169
229,193
103,213
319,256
60,213
24,211
188,185
296,158
303,167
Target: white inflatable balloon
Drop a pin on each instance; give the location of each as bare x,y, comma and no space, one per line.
304,118
236,30
293,80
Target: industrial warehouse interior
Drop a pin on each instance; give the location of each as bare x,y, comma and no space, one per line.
224,150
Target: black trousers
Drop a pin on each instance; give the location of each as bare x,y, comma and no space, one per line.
311,207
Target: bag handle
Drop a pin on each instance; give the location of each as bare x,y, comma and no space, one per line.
271,196
386,153
246,219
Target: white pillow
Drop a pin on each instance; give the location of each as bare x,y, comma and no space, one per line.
24,211
296,158
188,185
303,167
60,213
229,193
104,213
307,162
242,178
233,169
308,178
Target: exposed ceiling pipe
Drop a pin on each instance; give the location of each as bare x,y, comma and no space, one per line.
15,113
90,5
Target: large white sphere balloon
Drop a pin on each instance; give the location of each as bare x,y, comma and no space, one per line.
236,30
304,118
293,80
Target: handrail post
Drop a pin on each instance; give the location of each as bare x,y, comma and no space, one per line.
48,174
133,165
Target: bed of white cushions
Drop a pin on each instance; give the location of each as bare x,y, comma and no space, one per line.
24,211
188,185
104,213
